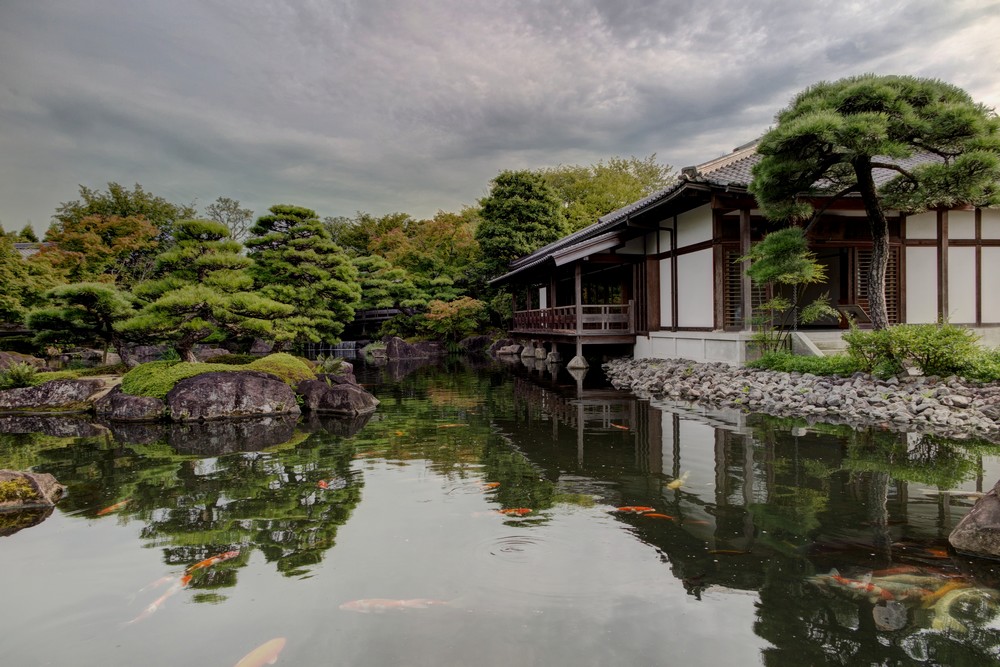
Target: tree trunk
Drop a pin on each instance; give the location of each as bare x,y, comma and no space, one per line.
187,353
877,310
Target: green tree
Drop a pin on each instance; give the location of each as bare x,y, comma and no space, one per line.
386,286
27,234
359,235
521,214
589,192
121,201
834,137
21,283
297,263
229,212
202,288
82,313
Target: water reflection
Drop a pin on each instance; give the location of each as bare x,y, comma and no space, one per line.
539,504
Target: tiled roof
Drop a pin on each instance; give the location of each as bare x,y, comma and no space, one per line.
27,249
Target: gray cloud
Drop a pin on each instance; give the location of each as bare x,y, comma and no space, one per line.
388,105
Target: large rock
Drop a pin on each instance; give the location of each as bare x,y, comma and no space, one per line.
8,359
978,533
118,406
336,399
227,394
54,396
26,489
397,348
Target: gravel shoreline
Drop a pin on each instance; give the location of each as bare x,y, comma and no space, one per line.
950,407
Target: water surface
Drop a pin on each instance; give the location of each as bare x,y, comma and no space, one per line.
405,537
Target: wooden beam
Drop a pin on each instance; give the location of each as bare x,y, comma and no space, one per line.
979,266
578,291
746,285
652,294
942,262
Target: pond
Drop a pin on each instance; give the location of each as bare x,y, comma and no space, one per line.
497,515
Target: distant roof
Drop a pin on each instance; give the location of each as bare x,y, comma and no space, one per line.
27,249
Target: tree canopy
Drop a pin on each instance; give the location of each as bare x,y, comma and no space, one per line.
81,313
939,147
201,288
21,283
521,214
297,263
231,213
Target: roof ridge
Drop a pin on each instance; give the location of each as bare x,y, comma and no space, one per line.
738,153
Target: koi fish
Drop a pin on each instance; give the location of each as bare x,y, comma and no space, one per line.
863,585
379,605
902,569
931,599
679,482
265,654
696,523
486,486
400,433
451,425
155,605
515,511
624,428
214,560
115,507
657,515
635,509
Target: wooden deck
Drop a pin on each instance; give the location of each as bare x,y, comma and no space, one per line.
612,323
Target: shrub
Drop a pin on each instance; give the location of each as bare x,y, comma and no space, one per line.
234,359
785,362
871,349
936,349
157,378
984,365
18,375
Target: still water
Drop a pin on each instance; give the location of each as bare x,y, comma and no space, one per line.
476,518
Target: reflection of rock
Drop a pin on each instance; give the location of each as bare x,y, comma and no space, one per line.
221,395
342,426
60,427
55,396
341,399
396,369
27,489
978,533
118,406
12,521
210,438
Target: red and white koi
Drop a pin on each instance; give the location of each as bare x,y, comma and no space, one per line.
153,607
214,560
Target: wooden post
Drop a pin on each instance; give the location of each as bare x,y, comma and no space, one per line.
578,361
942,263
746,285
979,265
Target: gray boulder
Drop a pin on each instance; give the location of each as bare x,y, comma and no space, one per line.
118,406
227,394
335,399
26,490
8,359
978,533
397,348
475,344
54,396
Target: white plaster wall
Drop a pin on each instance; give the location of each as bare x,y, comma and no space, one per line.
991,223
922,225
694,226
666,316
727,346
543,297
961,224
921,285
961,284
991,281
695,293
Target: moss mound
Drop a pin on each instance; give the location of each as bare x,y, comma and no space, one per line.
158,377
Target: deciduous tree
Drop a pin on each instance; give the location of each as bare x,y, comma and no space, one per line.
229,212
836,137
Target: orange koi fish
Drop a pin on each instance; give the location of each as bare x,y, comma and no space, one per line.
400,433
657,515
931,599
863,585
451,425
620,426
265,654
214,560
518,511
112,508
486,486
334,484
158,602
696,523
635,509
379,605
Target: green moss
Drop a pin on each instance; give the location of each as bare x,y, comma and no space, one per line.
55,375
234,359
16,489
159,377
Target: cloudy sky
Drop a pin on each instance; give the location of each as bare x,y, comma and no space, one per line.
414,105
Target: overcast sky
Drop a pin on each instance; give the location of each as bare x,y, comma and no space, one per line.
413,106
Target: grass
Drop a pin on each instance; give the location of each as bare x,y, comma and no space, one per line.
785,362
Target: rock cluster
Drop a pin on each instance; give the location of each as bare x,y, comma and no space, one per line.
947,406
978,533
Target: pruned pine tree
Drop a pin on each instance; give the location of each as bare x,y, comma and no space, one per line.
297,263
82,313
202,287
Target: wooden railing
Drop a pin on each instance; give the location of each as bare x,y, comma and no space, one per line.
594,320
